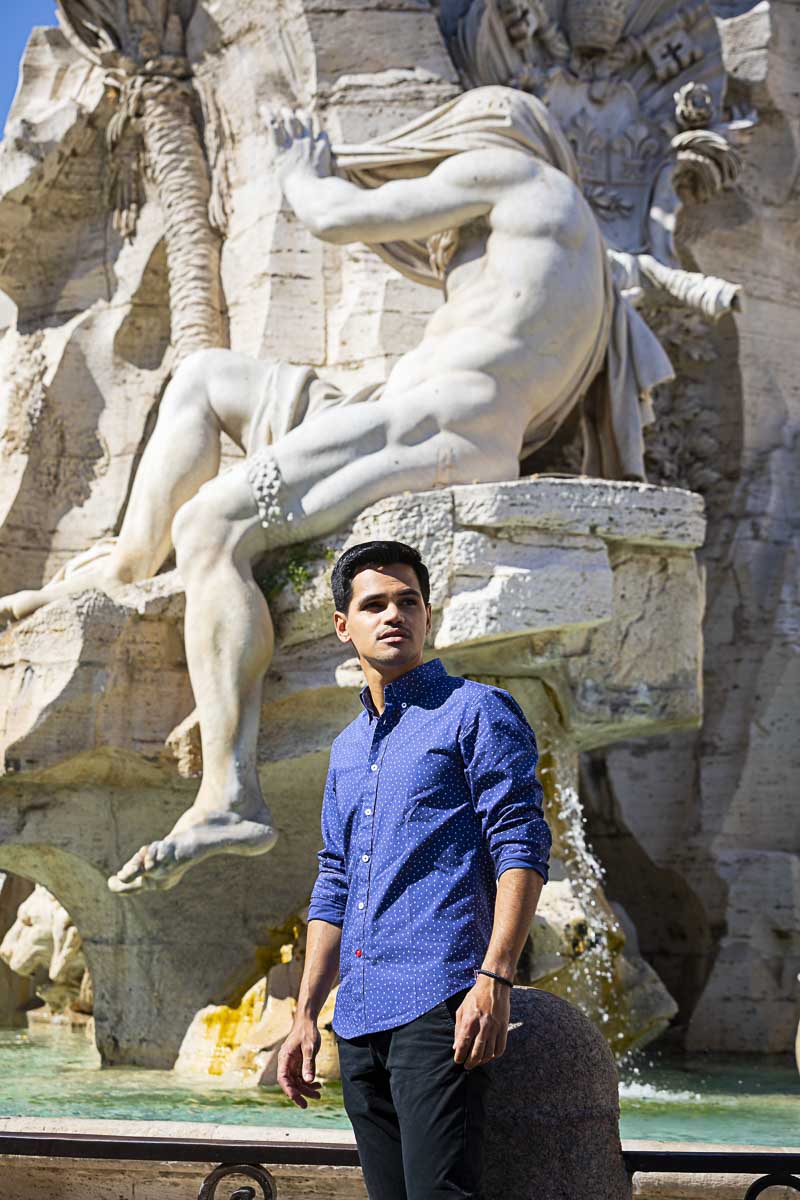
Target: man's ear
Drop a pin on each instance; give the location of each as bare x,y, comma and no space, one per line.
340,625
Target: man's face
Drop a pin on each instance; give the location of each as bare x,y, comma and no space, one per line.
387,619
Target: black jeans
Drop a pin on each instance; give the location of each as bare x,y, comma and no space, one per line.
418,1116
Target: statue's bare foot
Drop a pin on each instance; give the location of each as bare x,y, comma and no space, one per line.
20,604
198,835
87,570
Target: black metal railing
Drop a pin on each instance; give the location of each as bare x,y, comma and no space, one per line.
774,1168
251,1159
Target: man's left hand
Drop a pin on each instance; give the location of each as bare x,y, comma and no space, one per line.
482,1023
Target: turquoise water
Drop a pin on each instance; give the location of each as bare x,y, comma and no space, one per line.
739,1100
55,1073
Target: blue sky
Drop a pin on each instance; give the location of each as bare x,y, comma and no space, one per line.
17,18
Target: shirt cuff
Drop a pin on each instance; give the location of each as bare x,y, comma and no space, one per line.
319,910
530,864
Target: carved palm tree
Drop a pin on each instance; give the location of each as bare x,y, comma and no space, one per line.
140,46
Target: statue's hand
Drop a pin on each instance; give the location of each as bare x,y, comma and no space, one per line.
298,147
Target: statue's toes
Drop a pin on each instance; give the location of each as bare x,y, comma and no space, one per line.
132,876
161,855
7,609
127,880
150,856
134,866
165,865
121,886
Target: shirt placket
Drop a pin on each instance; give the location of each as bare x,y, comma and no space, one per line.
366,842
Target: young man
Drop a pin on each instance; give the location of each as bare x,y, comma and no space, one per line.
435,853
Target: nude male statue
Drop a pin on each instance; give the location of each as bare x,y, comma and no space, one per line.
522,330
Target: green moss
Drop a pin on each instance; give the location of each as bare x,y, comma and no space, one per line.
298,574
292,567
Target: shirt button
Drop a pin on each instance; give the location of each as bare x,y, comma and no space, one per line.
404,705
361,904
368,812
365,858
374,767
358,954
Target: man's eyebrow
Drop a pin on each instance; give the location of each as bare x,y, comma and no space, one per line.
368,599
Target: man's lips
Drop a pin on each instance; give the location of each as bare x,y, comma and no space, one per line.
395,635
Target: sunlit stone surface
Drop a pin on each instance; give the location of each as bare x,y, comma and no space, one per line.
583,598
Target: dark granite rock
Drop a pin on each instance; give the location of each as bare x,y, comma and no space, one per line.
553,1108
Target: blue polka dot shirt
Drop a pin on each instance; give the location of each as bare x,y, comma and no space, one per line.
424,808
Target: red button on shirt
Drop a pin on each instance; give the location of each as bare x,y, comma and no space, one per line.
358,954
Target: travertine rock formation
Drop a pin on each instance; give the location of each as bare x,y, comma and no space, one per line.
583,598
85,361
706,825
585,950
84,357
241,1045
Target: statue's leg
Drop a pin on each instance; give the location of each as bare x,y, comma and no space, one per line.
310,482
211,391
446,430
229,644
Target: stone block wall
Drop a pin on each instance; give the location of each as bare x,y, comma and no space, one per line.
709,823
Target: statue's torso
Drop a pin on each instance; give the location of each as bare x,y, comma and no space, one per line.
524,297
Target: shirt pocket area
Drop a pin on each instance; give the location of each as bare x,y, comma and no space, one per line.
436,785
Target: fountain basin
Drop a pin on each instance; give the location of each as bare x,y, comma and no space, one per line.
53,1073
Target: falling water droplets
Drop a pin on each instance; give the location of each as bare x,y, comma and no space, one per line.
593,985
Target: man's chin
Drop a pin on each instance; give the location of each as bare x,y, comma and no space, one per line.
396,653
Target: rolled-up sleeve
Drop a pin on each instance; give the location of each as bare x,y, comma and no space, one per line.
500,755
329,894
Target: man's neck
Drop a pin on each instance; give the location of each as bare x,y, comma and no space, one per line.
379,680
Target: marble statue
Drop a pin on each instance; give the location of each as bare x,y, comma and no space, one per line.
43,943
479,198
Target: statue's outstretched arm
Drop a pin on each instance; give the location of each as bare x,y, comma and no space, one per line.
338,211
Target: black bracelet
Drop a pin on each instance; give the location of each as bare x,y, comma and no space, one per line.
491,974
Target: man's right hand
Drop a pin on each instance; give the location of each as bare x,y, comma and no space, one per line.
297,1062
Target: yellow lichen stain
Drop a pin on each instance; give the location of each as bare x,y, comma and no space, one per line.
265,957
225,1028
220,1031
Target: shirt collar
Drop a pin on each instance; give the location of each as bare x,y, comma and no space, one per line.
406,687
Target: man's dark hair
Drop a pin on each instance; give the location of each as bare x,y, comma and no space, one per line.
374,554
